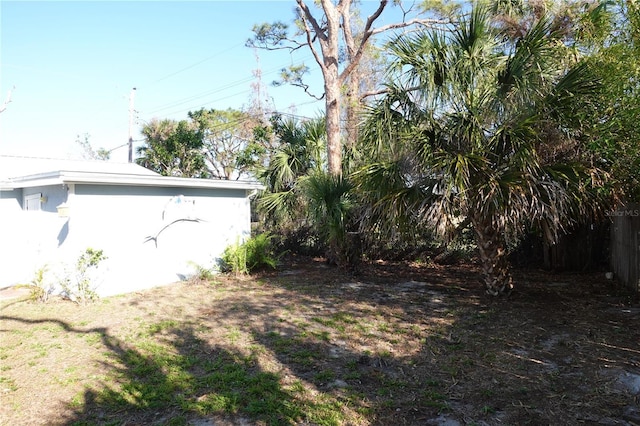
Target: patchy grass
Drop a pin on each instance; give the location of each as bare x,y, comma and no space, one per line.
398,345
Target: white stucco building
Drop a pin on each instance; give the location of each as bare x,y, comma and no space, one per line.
152,228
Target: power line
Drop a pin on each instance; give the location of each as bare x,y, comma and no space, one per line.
213,91
203,95
204,104
190,99
197,63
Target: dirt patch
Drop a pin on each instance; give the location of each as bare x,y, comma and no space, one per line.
13,292
398,344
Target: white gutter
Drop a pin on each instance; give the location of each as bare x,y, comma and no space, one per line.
65,177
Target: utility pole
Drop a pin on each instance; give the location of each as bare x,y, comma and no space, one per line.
7,101
131,111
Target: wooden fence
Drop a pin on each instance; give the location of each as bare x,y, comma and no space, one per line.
585,248
625,245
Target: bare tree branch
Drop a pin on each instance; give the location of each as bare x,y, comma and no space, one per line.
305,87
347,32
367,33
293,46
365,95
306,15
323,33
386,90
428,23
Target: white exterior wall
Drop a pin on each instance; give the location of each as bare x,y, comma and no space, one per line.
9,203
149,236
25,239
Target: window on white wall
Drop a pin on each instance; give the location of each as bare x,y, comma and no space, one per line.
32,202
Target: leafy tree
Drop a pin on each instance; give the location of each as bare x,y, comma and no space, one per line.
88,153
606,34
460,136
219,144
325,27
613,118
228,142
173,148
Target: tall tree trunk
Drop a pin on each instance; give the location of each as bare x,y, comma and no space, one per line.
326,33
352,108
334,143
493,258
329,43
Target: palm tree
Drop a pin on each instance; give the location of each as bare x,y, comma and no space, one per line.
151,155
302,194
459,135
330,205
299,154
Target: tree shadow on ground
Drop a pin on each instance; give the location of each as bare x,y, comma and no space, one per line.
175,377
480,359
321,348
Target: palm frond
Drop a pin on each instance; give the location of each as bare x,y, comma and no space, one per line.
330,204
282,204
390,199
578,81
523,74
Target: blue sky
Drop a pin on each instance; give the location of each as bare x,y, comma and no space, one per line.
74,64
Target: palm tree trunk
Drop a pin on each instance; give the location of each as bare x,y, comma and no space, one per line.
493,258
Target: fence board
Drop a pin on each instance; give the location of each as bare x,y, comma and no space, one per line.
625,245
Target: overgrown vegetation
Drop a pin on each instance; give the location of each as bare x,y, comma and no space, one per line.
514,118
501,120
460,137
477,133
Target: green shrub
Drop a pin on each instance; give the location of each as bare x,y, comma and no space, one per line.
201,273
254,254
80,287
234,259
41,289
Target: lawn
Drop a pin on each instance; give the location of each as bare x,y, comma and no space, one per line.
398,344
